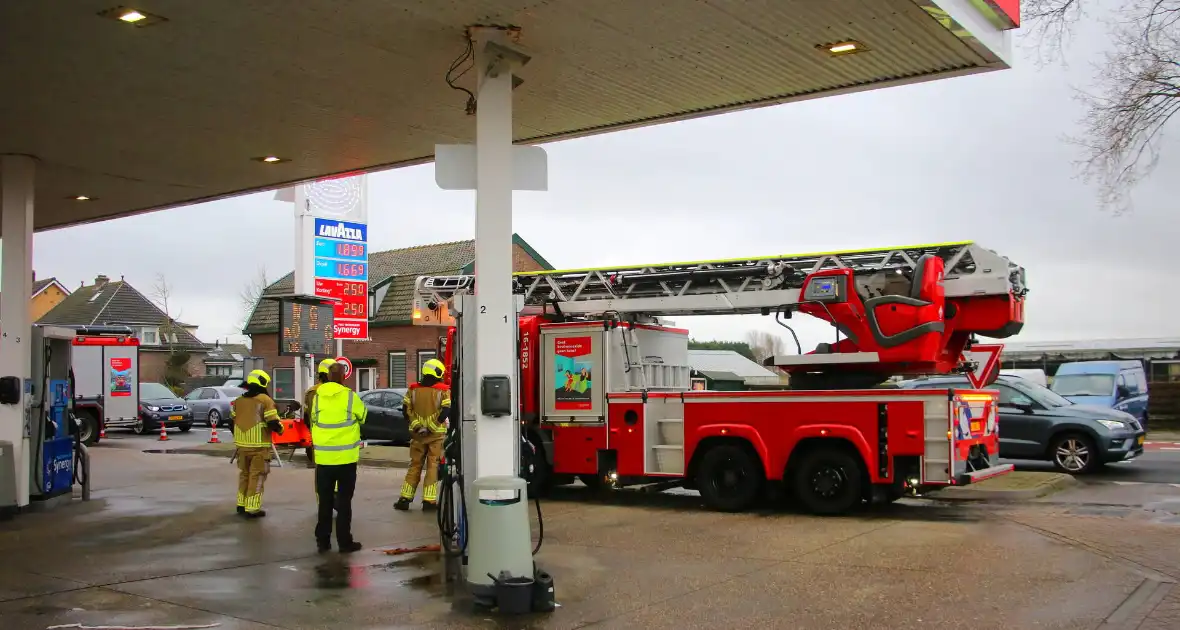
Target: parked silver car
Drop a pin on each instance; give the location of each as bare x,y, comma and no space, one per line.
211,404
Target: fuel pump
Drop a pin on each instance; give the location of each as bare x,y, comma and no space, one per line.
56,455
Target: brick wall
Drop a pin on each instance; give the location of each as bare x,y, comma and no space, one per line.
152,365
385,339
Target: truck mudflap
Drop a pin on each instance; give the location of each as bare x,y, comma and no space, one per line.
977,476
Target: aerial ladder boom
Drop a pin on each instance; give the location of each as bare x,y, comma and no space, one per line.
898,310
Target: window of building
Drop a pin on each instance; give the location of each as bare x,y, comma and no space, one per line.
423,357
149,336
219,370
366,379
397,370
284,383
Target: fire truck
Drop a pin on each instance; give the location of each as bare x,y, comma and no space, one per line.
604,382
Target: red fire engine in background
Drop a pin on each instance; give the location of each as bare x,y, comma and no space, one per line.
605,393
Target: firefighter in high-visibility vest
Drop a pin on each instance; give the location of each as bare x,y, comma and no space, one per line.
309,398
254,416
337,414
427,407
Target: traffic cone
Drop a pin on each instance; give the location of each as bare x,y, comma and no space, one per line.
102,432
163,432
213,437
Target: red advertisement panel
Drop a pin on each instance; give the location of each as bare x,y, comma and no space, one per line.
353,305
573,362
121,376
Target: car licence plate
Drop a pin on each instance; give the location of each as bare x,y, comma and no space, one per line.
1140,440
176,417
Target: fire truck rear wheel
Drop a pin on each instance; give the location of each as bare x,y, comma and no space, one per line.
87,427
730,478
828,481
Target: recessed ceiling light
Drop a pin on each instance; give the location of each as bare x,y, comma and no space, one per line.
843,48
82,198
270,159
134,17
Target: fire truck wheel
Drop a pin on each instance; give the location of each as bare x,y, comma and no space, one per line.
730,478
828,481
87,427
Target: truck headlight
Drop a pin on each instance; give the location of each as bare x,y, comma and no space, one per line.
1113,425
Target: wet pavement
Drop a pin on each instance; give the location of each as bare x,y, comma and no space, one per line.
160,545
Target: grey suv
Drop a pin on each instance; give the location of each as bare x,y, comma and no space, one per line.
1036,423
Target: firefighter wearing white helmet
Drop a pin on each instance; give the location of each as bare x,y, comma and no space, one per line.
254,416
427,407
309,399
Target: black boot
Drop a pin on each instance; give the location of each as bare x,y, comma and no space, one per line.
241,510
323,546
429,506
258,514
350,547
402,504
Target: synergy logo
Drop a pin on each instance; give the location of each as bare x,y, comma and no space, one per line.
346,328
340,229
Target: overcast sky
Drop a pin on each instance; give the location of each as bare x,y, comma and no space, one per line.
979,157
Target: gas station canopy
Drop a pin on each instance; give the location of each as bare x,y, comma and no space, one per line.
182,103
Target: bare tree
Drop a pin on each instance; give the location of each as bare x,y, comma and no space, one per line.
175,367
162,296
1138,89
251,293
764,344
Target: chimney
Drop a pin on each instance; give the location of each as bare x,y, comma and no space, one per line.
100,281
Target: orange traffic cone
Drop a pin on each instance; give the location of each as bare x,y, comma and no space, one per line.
102,432
213,437
163,432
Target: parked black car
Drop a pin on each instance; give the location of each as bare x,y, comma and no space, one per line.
1037,423
158,405
385,420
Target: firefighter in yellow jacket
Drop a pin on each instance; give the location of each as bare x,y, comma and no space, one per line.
254,416
427,407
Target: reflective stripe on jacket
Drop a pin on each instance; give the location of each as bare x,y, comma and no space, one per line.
336,417
249,415
425,405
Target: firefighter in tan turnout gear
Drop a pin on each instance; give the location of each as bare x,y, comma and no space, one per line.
254,416
427,407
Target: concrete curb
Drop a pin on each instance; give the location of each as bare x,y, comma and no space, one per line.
298,459
1054,482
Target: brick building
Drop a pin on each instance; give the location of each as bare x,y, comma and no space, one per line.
396,349
117,303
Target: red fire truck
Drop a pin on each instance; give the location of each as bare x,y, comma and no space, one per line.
605,394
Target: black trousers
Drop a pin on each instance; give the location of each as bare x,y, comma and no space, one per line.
334,486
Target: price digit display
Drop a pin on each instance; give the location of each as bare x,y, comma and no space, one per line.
306,329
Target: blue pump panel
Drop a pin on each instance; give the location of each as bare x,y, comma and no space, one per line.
58,461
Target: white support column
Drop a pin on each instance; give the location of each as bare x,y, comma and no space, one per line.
304,275
16,280
495,318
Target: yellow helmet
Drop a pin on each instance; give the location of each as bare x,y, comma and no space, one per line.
324,365
434,368
259,378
